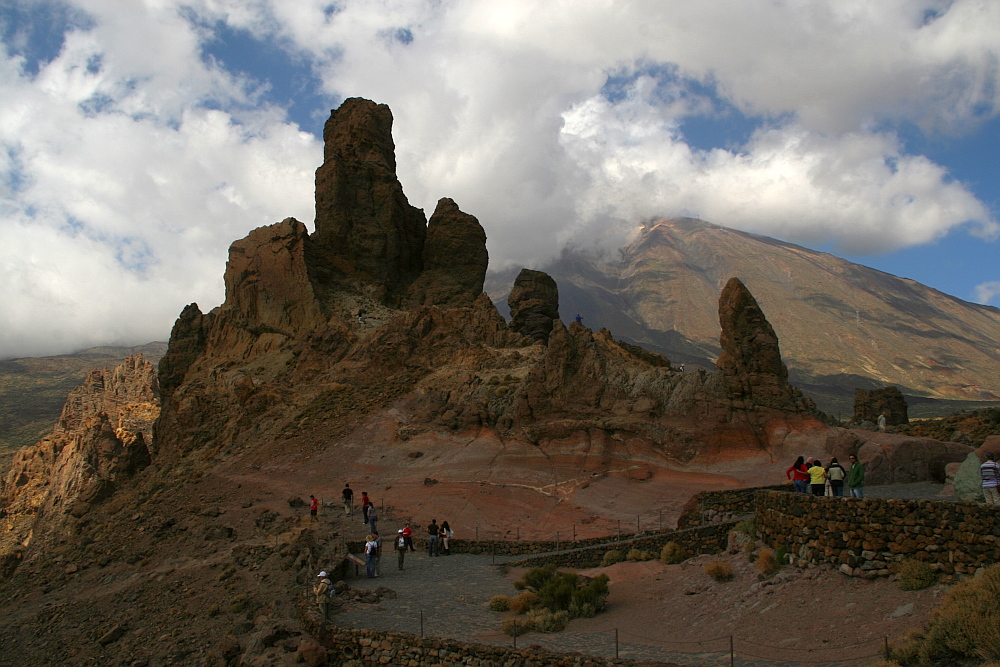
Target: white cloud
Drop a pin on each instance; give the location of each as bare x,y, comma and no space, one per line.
131,162
987,292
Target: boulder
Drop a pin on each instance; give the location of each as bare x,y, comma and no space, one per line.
454,259
968,483
868,405
534,304
898,459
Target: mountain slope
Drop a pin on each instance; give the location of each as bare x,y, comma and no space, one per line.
841,325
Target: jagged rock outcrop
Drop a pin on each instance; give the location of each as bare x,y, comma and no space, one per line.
534,304
868,405
102,439
455,259
371,239
750,359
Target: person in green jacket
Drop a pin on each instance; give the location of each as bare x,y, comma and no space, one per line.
856,478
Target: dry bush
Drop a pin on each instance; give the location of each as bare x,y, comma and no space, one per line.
523,601
639,554
515,627
544,620
672,553
767,563
611,557
916,575
500,603
720,570
965,626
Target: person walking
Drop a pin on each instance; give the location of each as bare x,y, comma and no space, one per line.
366,503
372,518
817,478
321,593
990,472
408,535
400,547
348,495
446,533
836,474
799,475
378,551
370,556
433,531
856,478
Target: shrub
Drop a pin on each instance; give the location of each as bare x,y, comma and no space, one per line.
767,564
611,557
639,554
748,526
965,626
916,575
672,553
720,570
523,601
239,603
590,598
781,555
500,603
515,627
545,620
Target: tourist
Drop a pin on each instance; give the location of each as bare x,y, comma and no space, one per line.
432,538
836,474
817,478
881,422
579,320
408,534
348,495
321,593
365,504
856,478
446,533
799,475
372,518
990,472
400,547
313,507
370,556
378,551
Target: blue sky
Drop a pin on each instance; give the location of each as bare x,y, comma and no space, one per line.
140,139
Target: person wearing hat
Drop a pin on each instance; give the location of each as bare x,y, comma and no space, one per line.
400,546
321,593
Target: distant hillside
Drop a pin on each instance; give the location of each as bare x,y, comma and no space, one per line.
841,325
33,390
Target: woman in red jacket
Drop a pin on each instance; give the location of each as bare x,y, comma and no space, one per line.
800,478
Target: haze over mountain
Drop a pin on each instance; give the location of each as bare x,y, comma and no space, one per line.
841,325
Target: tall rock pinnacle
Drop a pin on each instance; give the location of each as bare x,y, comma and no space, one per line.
371,238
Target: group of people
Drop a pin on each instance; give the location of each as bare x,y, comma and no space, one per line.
809,475
438,543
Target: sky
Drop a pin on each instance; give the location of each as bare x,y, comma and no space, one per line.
139,138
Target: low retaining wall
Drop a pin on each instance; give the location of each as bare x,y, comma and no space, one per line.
508,548
714,506
871,537
710,539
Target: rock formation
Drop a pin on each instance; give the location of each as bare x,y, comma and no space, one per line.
868,405
102,439
534,304
454,259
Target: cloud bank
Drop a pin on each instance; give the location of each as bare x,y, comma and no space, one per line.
134,150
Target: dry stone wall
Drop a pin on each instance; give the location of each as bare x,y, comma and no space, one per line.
714,506
871,537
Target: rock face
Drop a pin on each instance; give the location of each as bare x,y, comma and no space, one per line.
102,439
868,405
750,359
371,238
454,259
534,304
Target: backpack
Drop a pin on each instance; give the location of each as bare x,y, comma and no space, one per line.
401,543
331,592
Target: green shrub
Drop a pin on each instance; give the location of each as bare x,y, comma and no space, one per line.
639,555
590,598
562,591
611,557
781,555
916,575
748,526
500,603
545,620
672,553
720,570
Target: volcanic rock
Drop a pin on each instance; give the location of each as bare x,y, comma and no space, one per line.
454,259
371,239
534,304
868,405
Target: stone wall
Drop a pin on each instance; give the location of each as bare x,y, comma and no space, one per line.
373,647
714,506
871,537
508,547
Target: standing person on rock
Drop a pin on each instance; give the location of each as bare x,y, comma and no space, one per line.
321,593
799,475
371,554
836,474
446,533
400,547
856,478
990,472
433,531
348,495
817,478
366,503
